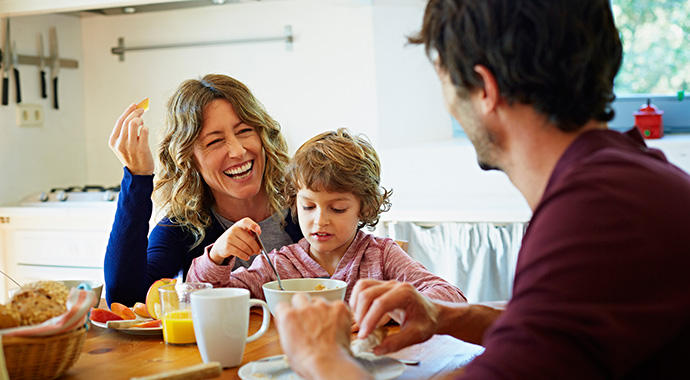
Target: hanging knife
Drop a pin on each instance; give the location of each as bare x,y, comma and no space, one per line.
42,66
15,63
1,67
55,65
6,65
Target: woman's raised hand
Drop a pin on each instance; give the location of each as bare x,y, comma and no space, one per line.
130,142
238,240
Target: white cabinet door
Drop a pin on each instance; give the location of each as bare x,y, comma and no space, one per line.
59,255
68,249
53,243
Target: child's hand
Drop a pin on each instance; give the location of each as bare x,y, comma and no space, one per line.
238,240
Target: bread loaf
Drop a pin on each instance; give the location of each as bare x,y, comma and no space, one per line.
39,301
55,289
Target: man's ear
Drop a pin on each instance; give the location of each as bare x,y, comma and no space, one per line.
490,95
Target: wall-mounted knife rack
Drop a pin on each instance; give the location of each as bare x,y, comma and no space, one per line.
36,61
120,49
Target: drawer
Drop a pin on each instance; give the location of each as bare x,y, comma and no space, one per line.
77,249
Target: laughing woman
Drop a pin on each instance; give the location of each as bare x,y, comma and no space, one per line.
221,159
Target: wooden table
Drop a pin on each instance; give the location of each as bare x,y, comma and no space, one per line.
111,354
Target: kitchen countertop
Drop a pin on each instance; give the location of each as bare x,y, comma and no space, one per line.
471,209
441,182
96,209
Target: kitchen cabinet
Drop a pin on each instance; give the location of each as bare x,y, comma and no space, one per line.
12,8
60,243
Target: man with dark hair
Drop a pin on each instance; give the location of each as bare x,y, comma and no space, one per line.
601,289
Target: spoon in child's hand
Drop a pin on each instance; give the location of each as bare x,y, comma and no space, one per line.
263,252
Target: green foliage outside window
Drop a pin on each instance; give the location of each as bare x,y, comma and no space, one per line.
656,43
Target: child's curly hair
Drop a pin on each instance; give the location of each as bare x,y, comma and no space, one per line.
338,161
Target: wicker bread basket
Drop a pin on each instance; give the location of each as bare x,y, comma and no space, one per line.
44,357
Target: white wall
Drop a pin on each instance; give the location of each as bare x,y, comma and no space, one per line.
33,159
325,82
410,104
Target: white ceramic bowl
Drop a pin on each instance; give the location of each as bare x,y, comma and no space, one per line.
96,286
334,290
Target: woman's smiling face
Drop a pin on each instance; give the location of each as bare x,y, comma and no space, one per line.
229,154
328,220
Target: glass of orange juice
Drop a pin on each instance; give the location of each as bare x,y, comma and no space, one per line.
176,311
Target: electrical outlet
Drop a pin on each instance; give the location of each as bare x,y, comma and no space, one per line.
29,115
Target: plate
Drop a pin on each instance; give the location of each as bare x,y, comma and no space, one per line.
277,367
133,330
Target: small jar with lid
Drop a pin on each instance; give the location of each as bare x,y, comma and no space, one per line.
648,119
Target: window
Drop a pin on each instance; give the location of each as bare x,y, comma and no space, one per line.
656,61
656,37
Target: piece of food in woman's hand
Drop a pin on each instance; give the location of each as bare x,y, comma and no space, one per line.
368,344
122,310
149,324
103,316
144,104
140,310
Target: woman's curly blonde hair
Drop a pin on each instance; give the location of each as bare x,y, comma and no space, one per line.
180,190
338,161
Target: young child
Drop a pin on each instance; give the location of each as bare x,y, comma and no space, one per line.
332,185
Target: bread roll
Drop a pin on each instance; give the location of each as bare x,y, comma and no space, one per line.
8,317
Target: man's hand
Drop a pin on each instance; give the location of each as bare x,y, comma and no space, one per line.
315,336
416,314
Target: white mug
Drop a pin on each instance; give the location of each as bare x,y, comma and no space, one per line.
221,323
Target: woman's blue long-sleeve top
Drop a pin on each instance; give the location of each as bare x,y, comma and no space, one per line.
134,259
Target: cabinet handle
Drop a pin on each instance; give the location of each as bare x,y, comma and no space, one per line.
4,219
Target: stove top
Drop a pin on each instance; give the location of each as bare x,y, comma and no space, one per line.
73,195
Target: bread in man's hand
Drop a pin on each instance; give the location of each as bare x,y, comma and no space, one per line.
358,346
